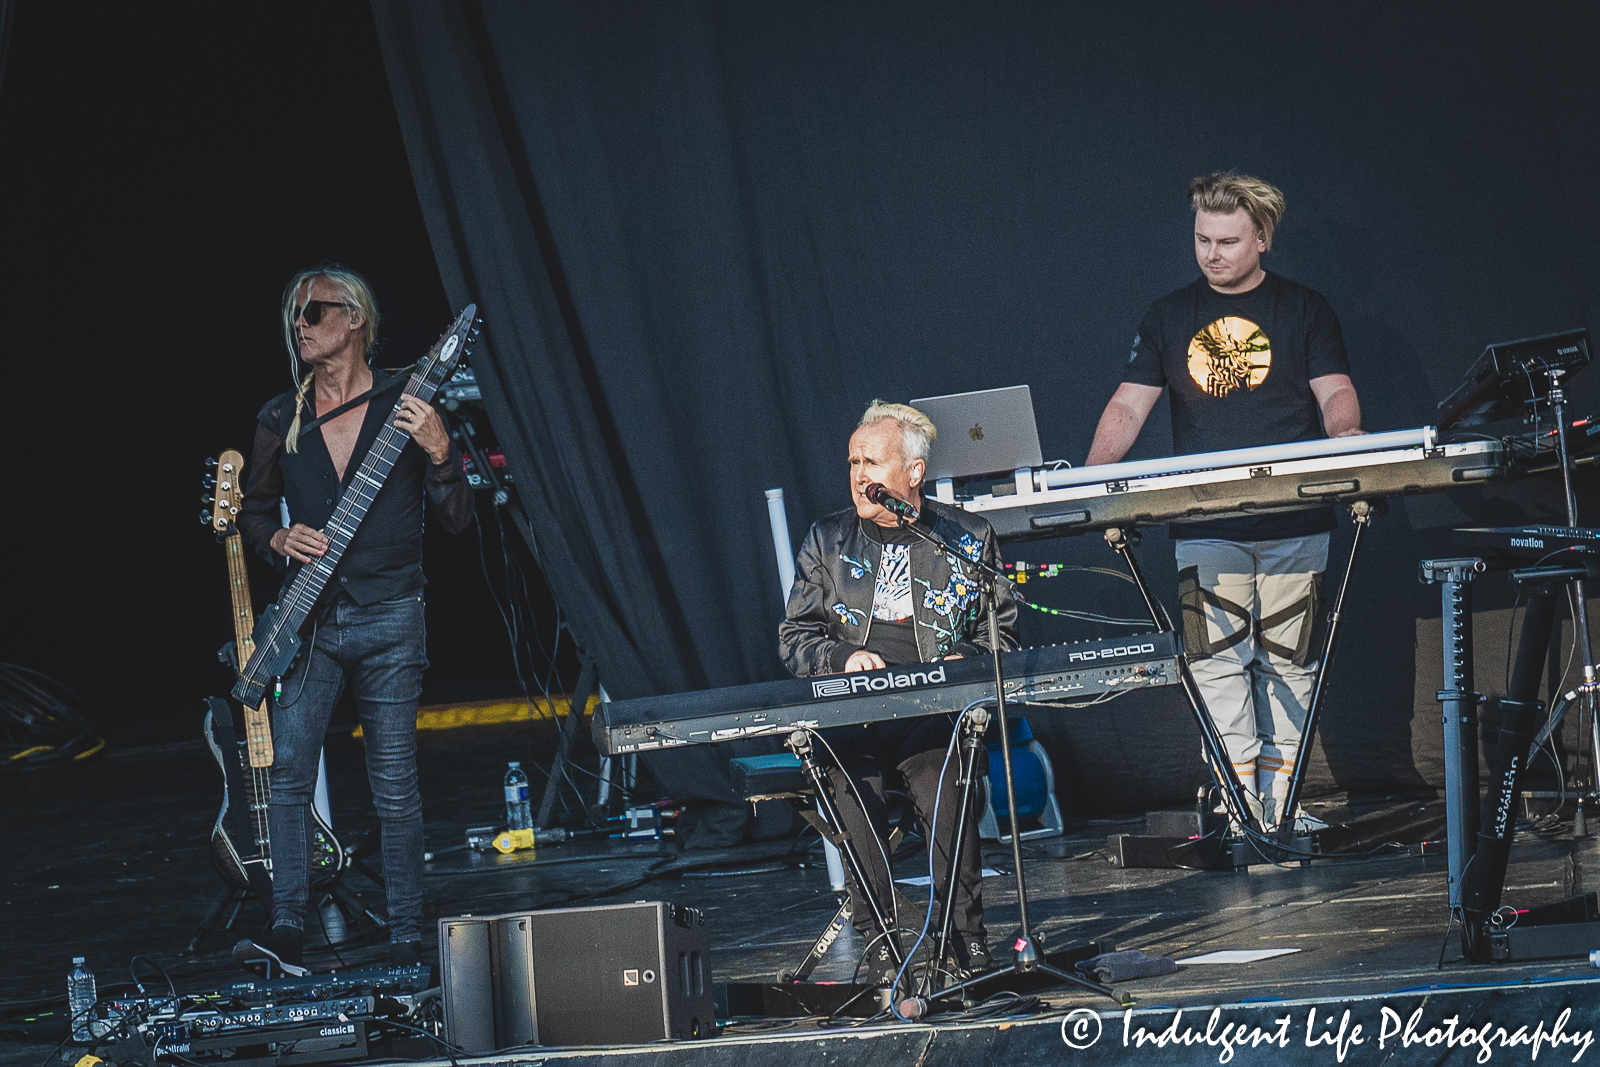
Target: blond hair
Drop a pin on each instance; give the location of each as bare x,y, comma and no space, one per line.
917,432
357,292
1225,192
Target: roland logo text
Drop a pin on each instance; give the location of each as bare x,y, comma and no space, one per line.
876,683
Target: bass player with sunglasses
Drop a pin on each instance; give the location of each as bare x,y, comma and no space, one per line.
367,629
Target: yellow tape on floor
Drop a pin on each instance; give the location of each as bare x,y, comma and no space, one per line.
482,712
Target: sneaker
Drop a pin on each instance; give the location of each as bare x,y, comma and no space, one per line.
968,957
273,954
1307,824
977,955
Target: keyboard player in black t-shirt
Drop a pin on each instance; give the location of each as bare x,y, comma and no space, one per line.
1248,358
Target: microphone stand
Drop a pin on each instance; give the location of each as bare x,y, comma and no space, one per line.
1026,956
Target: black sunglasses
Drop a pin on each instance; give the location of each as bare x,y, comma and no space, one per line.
311,311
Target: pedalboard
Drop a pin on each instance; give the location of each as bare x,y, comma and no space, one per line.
175,1028
388,980
257,1022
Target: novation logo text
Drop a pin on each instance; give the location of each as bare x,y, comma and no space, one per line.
1526,542
862,683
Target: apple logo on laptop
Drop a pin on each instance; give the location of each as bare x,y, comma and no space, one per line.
976,433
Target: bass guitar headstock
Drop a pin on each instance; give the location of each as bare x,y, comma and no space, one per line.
449,350
224,493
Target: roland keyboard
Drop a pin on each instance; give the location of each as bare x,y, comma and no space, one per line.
1082,670
1237,483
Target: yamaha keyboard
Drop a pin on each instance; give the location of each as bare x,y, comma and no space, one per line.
1233,484
1082,670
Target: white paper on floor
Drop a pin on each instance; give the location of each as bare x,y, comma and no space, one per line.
988,872
1239,955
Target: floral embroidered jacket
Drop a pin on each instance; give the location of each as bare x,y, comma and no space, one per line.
829,615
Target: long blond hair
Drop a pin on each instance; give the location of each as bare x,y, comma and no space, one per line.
358,293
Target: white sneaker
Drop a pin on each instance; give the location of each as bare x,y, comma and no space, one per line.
1308,824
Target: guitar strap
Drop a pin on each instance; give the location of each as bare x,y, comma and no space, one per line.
401,376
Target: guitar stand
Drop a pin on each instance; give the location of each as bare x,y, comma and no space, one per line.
341,895
229,895
355,855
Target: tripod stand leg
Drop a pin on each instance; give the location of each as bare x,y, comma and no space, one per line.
819,947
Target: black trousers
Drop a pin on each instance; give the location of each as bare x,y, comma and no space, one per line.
915,750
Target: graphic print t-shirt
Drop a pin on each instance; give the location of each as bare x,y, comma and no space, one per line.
893,633
1238,370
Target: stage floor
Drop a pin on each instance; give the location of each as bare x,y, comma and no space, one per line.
109,861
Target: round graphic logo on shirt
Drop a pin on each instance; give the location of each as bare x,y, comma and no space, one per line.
1229,355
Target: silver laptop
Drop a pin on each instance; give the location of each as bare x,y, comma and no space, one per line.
984,432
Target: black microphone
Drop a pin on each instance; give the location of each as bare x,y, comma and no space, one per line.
889,502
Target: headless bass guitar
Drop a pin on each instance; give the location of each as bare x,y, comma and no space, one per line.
277,634
241,846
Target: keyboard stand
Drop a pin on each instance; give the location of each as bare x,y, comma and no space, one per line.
1124,542
800,743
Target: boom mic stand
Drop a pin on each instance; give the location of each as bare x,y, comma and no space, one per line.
1026,958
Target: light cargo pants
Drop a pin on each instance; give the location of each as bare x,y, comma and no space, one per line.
1249,609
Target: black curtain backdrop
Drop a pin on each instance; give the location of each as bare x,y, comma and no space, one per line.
704,236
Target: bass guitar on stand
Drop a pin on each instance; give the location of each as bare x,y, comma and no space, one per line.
241,846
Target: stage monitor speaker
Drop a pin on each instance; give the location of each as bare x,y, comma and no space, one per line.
616,974
467,969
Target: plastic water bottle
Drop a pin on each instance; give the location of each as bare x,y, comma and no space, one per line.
81,999
518,814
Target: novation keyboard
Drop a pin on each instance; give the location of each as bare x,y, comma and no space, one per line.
1236,483
1047,674
1529,542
